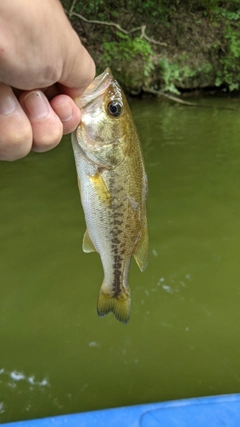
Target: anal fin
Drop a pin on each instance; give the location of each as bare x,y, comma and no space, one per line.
141,253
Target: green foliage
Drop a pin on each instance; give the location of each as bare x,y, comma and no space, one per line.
169,72
174,73
231,16
230,61
216,9
154,10
117,46
211,5
128,49
92,9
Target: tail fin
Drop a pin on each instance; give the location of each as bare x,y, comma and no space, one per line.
120,305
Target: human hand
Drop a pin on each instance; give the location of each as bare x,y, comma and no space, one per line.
42,67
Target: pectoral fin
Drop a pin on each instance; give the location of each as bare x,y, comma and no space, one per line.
100,188
87,244
141,253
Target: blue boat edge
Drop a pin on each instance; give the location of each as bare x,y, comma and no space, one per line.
214,411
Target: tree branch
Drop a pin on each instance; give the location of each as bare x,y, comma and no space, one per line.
180,101
113,24
72,7
171,97
144,35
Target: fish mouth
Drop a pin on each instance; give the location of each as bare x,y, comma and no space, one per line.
95,89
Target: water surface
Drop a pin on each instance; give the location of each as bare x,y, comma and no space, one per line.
183,340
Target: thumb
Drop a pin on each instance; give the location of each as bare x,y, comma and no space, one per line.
78,69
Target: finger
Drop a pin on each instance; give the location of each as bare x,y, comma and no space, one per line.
47,128
78,70
16,130
67,111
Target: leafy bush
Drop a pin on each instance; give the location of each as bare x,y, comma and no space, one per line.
230,61
128,49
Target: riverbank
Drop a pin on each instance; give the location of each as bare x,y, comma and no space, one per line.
174,48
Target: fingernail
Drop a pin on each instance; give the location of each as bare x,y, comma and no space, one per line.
8,102
64,111
36,105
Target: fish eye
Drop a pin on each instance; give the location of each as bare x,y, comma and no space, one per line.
114,108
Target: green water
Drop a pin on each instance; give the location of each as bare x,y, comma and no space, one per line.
183,340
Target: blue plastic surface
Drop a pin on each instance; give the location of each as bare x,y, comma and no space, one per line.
215,411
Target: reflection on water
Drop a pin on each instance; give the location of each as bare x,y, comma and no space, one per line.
56,355
16,376
19,383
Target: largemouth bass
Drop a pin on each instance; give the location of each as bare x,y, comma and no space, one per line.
113,188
